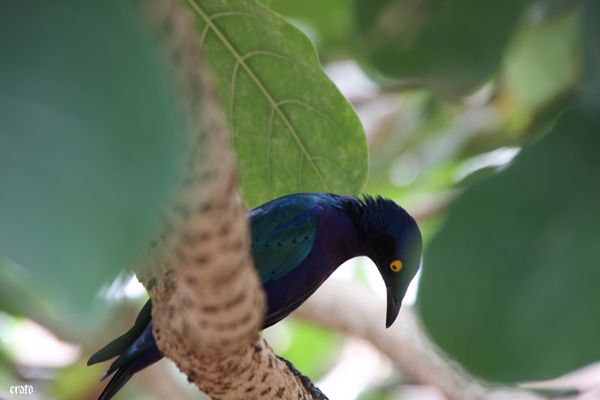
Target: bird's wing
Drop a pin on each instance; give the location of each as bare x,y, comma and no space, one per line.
283,234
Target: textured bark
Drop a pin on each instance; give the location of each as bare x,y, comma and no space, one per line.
354,310
208,304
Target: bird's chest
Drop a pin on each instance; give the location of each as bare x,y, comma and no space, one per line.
290,291
287,293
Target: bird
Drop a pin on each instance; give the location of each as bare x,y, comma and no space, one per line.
297,242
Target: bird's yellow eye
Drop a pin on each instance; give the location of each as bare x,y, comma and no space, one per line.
396,265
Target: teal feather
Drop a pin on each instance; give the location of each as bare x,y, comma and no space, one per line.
283,235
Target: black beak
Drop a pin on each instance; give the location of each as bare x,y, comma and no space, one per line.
393,308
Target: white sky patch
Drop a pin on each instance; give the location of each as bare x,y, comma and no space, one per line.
279,336
497,158
360,365
374,279
410,298
405,170
125,286
134,288
347,271
350,79
33,345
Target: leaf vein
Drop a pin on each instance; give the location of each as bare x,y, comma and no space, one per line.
209,21
219,15
309,107
269,155
234,77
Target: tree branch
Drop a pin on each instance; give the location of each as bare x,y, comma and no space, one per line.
208,304
352,309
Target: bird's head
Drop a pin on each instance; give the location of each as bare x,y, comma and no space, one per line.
394,244
397,254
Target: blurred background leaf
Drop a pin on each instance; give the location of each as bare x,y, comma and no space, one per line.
541,65
509,287
453,45
513,266
591,31
88,144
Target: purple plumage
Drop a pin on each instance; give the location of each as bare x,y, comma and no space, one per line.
297,242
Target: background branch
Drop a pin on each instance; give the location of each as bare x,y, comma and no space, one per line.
354,310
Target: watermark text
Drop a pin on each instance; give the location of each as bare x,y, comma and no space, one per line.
21,389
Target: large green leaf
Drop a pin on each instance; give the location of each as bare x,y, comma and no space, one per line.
510,283
88,142
293,131
454,45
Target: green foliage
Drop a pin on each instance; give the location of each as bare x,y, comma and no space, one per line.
453,45
543,61
509,287
74,381
88,143
292,129
88,151
591,31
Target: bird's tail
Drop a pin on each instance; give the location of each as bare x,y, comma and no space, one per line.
136,350
125,372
